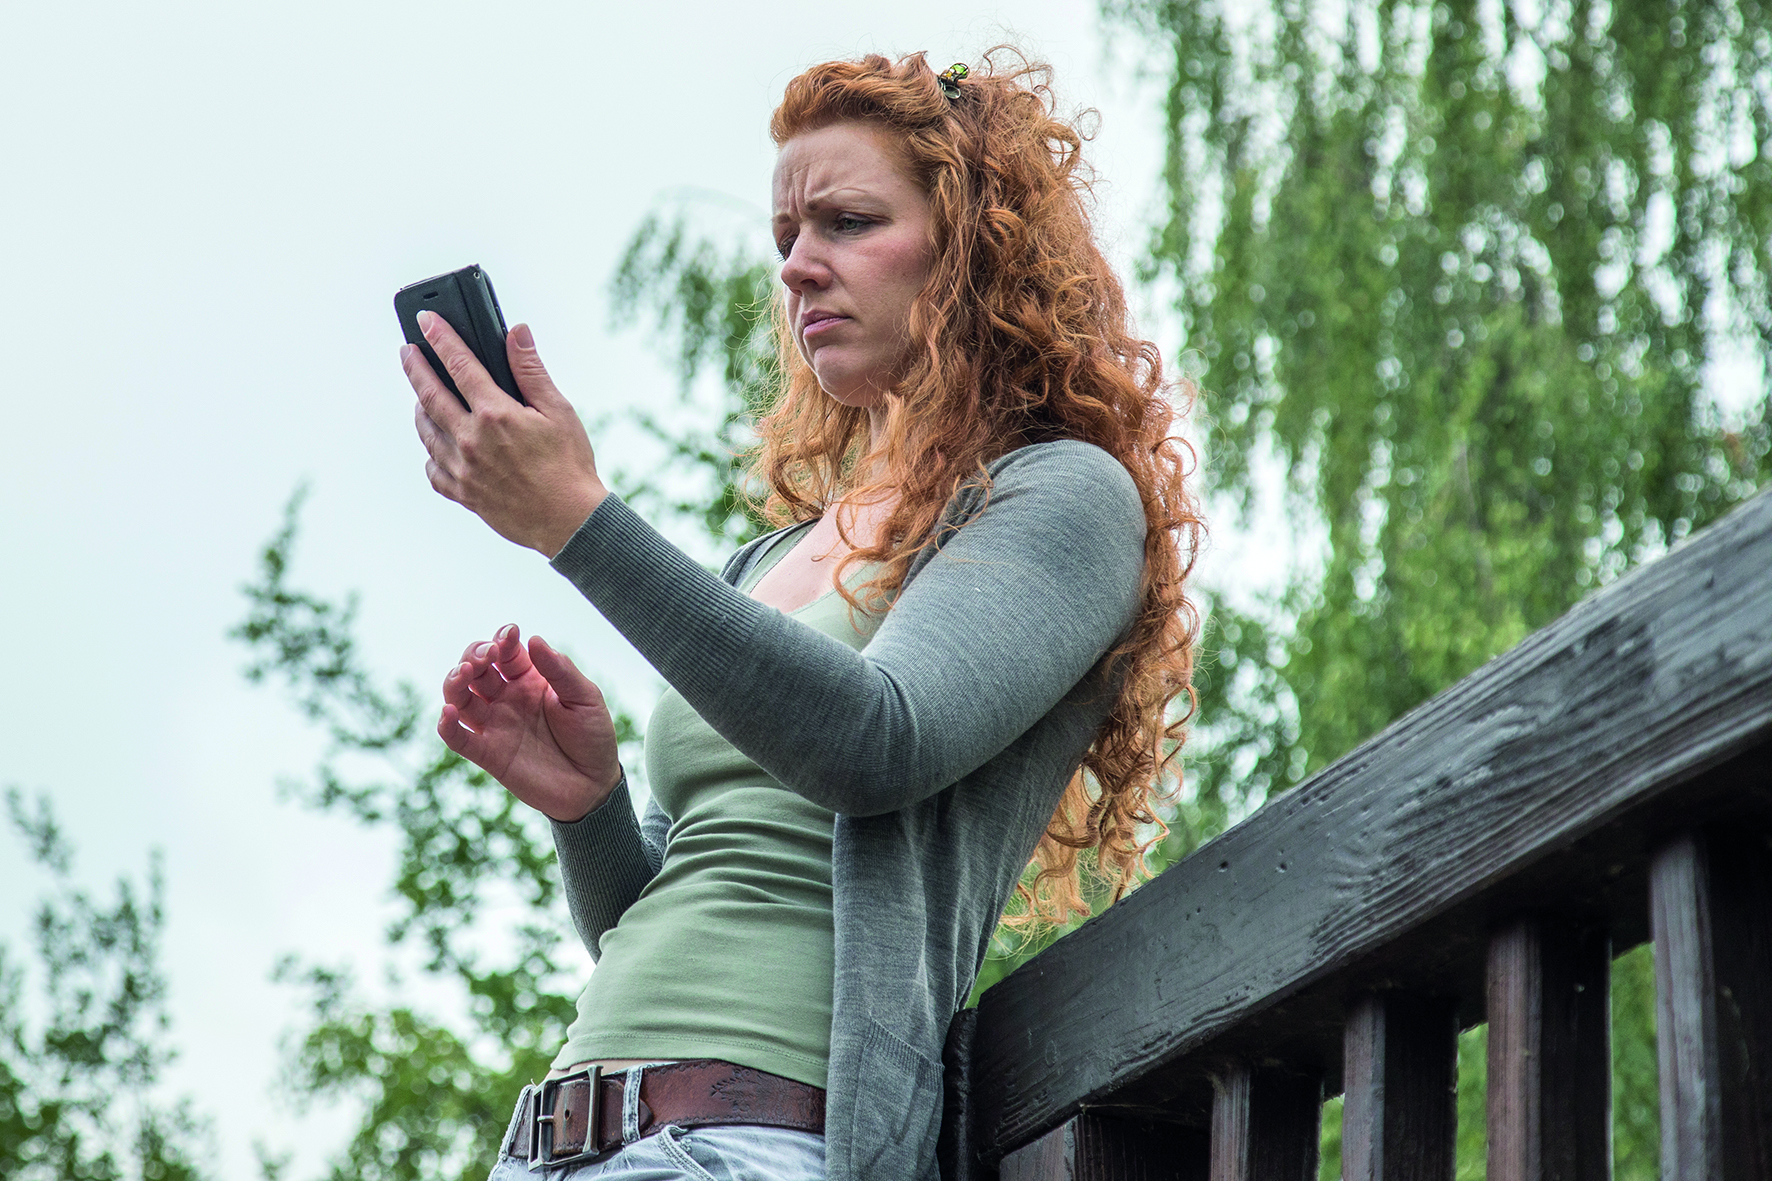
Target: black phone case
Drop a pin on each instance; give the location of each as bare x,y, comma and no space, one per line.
467,303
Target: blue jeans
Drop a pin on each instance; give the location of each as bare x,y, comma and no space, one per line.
748,1153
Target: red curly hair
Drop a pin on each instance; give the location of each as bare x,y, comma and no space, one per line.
1021,335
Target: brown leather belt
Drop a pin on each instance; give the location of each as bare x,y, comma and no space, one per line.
577,1118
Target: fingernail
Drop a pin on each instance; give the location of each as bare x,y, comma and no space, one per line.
483,648
504,633
425,320
525,339
406,351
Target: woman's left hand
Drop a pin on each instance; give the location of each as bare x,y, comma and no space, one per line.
527,471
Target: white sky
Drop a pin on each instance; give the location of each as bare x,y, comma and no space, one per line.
204,212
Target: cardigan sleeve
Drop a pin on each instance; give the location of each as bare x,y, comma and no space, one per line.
1040,578
606,858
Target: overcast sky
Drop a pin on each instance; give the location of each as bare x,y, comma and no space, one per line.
204,212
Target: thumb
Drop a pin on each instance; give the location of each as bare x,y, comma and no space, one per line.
572,687
532,377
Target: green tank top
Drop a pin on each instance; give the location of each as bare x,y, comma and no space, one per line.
728,953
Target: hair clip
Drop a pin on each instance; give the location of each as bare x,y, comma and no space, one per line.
951,78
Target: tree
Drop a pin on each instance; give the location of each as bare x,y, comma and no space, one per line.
1460,267
79,1066
709,301
436,1090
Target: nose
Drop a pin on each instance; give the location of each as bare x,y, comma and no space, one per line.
805,268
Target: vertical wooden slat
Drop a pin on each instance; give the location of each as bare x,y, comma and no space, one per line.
1711,915
1266,1125
955,1154
1685,1011
1399,1115
1230,1124
1103,1148
1741,908
1046,1159
1550,1088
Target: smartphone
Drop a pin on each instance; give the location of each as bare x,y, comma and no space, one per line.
467,303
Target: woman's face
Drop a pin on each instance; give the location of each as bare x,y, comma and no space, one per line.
854,235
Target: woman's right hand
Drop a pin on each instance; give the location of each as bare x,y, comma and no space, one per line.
533,722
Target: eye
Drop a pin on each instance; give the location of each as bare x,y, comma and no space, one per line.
784,247
845,223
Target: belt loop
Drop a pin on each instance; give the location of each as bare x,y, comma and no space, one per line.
509,1145
630,1105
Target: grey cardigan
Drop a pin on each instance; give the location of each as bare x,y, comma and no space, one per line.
943,748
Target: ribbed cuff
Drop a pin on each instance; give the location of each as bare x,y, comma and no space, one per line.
603,864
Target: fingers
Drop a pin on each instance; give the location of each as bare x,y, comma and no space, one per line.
434,403
439,443
485,672
443,483
470,376
452,728
532,377
459,688
508,653
434,399
473,681
572,687
449,729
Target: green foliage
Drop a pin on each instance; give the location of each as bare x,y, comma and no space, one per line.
1244,738
1329,1158
435,1092
1472,1155
1457,269
709,307
78,1070
1636,1092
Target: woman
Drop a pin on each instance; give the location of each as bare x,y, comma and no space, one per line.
878,713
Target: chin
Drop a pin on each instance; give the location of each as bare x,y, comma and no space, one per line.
861,399
850,389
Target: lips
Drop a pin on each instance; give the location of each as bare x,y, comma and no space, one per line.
816,319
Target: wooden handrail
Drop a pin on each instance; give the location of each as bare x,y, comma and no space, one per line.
1542,784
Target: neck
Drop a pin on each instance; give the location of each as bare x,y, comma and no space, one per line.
877,423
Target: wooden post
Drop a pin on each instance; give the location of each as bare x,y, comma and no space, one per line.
1266,1125
955,1148
1711,910
1550,1054
1399,1116
1102,1148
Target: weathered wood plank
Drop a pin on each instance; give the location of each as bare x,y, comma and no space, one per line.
1399,1114
1102,1148
1662,676
1550,1053
1266,1125
1711,905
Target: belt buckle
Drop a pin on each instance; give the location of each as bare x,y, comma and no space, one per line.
541,1123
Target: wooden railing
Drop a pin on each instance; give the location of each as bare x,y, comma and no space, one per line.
1483,859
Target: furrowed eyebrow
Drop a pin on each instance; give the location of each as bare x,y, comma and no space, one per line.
827,198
